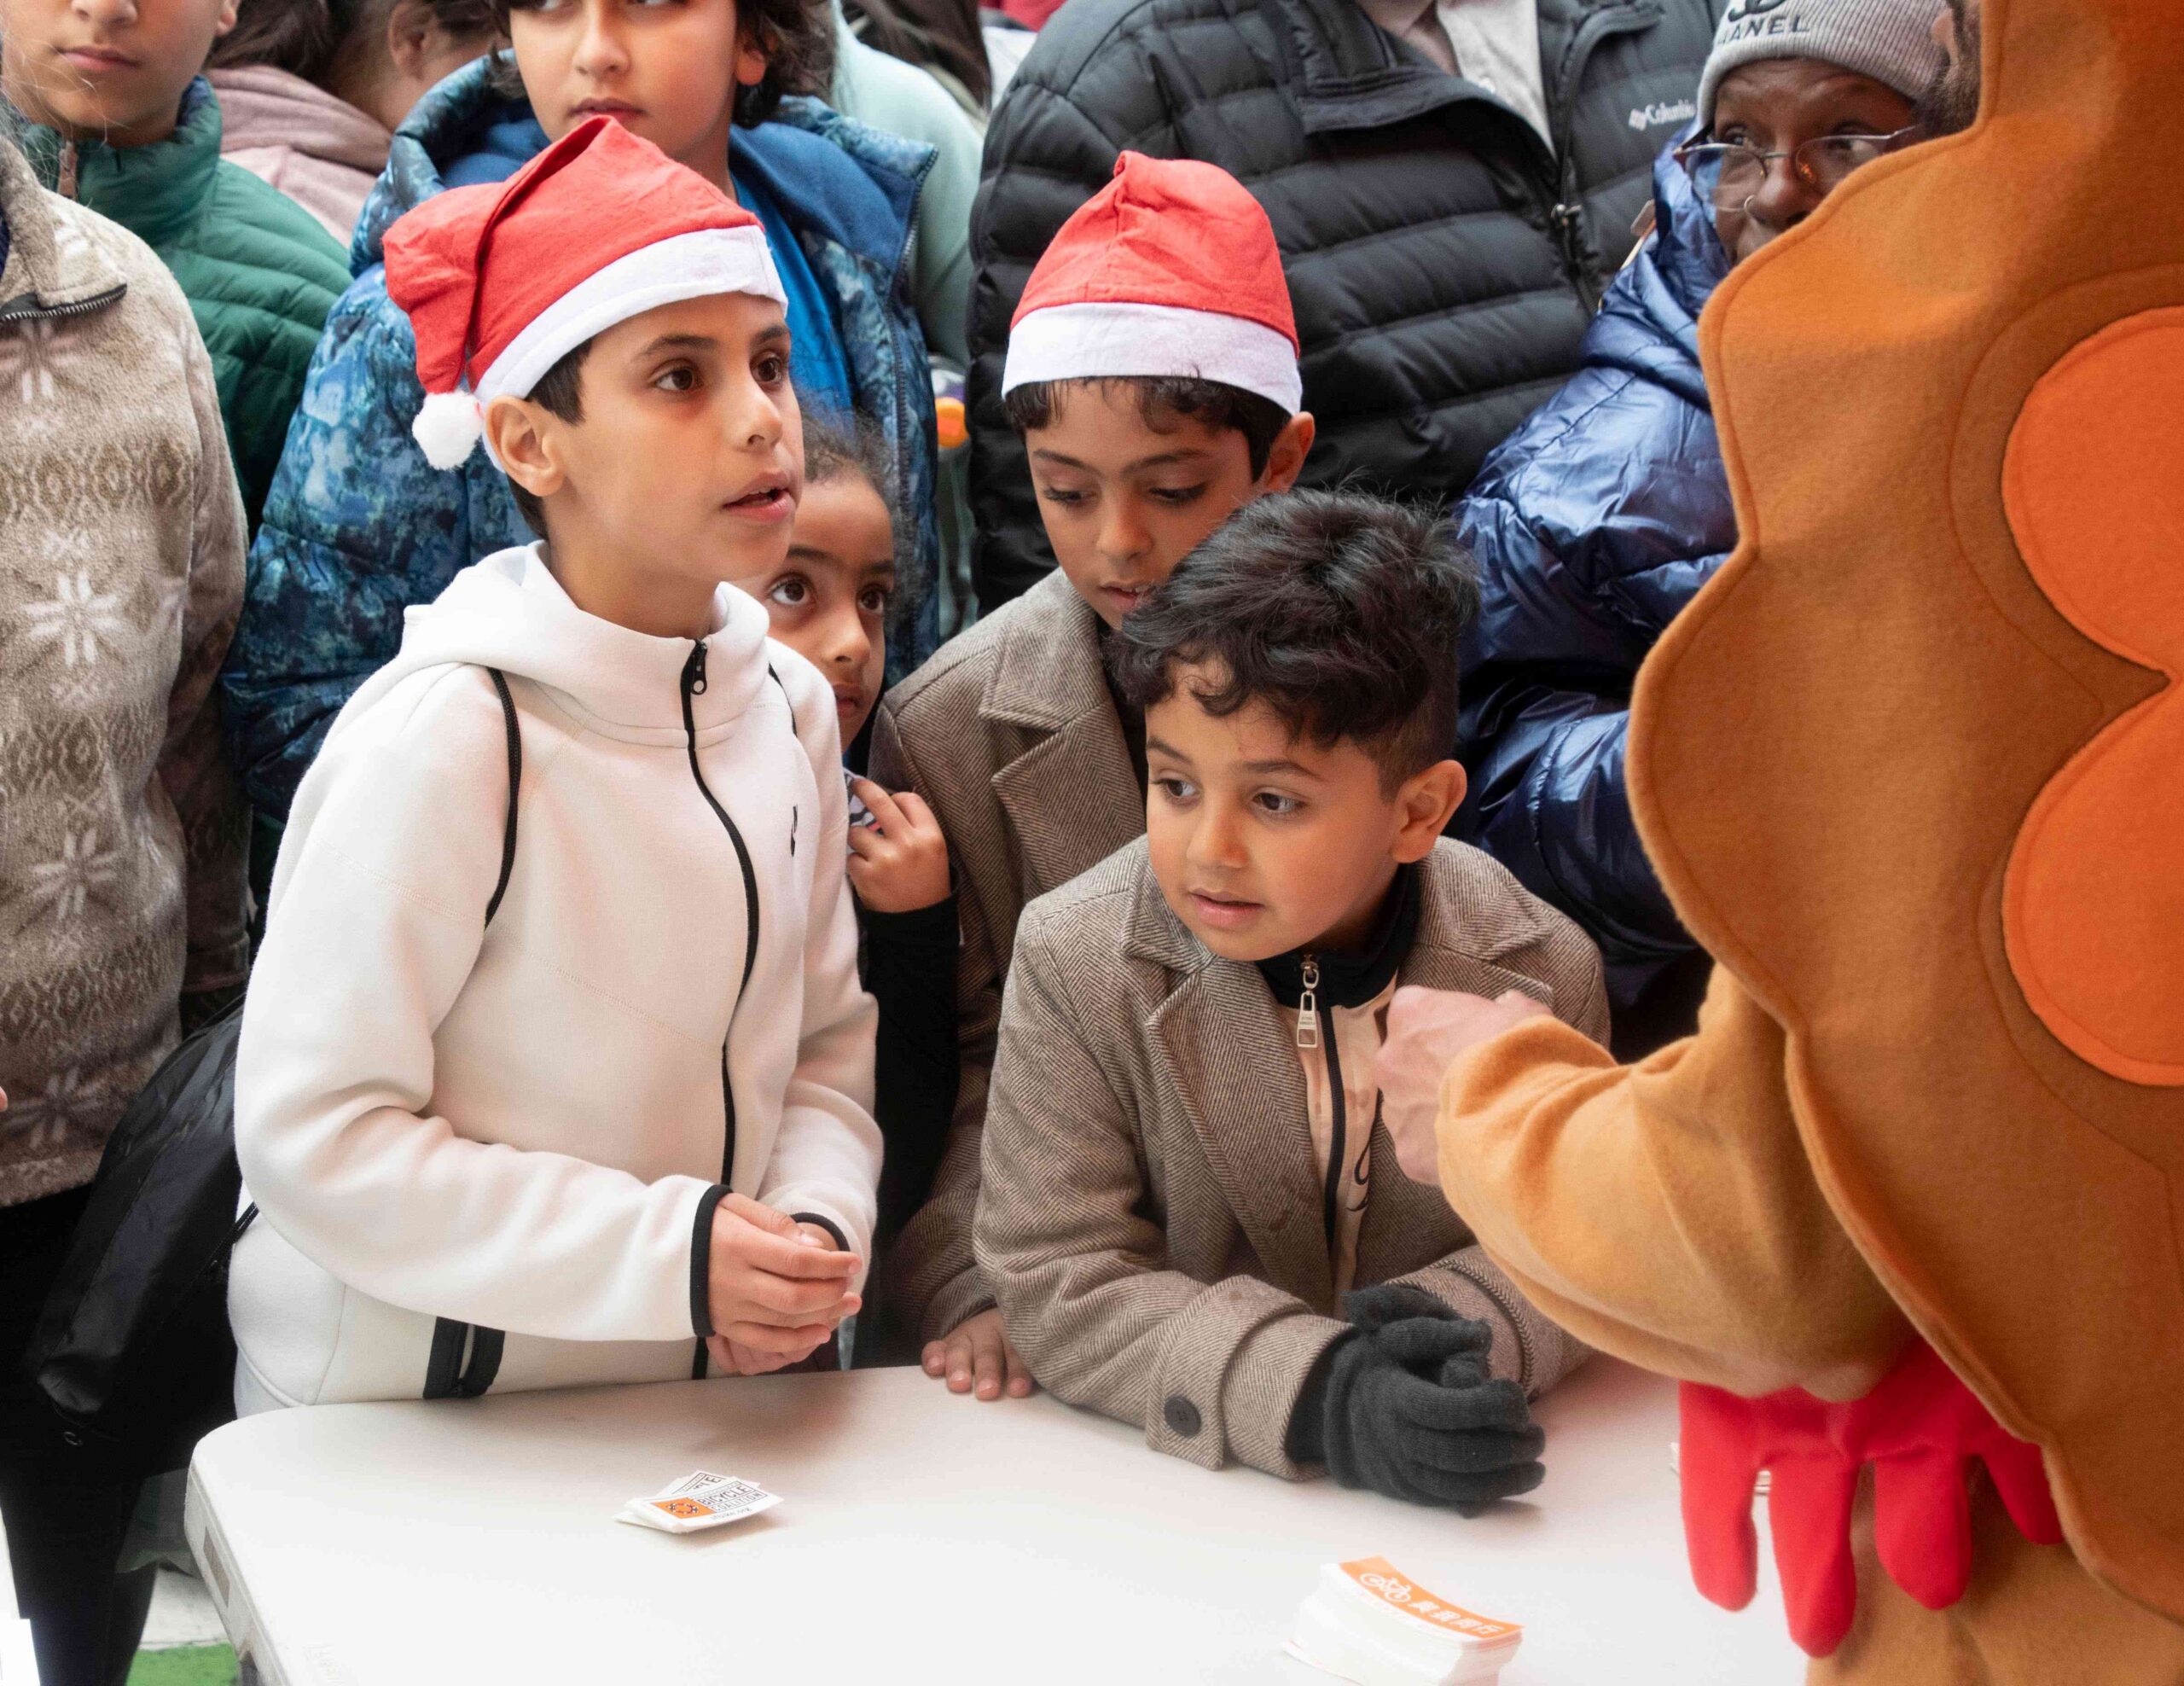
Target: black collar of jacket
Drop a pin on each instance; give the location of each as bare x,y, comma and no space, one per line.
1349,74
1352,977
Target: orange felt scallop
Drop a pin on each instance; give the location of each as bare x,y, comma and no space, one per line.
2094,908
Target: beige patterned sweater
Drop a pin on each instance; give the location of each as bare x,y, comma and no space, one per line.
121,833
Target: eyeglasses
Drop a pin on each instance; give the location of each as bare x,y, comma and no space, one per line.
1730,174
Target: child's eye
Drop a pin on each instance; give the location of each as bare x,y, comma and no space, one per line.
679,377
1174,788
1060,495
790,592
1274,803
772,369
875,600
1178,498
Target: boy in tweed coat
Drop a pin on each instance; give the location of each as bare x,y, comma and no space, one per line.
1189,1212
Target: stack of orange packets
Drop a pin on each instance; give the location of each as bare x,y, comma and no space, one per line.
1370,1623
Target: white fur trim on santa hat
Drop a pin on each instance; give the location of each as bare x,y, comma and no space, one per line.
694,265
1123,342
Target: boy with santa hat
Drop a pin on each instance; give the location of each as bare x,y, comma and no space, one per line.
1152,374
556,1071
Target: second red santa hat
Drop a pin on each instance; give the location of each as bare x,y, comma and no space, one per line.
1169,269
501,282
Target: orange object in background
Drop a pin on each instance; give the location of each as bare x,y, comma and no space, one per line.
955,424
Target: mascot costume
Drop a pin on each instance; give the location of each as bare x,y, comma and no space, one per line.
1907,1214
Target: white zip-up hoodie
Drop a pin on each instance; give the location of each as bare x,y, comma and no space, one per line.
490,1156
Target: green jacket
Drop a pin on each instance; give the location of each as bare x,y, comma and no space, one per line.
259,272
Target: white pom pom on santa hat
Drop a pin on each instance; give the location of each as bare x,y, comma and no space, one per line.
448,427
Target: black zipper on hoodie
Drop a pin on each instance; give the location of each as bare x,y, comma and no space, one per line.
693,685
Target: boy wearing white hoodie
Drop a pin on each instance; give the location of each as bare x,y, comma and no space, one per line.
555,1069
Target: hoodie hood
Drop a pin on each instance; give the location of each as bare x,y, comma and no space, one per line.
1649,323
510,612
263,106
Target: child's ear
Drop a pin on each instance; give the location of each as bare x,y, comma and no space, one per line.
229,9
517,431
752,57
1291,445
1424,804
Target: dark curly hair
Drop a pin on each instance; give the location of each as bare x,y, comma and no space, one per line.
1342,613
1213,404
796,35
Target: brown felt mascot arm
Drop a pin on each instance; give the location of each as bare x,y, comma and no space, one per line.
1665,1212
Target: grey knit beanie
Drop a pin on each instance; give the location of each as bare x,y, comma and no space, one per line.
1891,41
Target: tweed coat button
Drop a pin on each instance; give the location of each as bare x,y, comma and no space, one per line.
1181,1416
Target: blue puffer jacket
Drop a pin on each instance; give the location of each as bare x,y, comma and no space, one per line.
358,526
1594,523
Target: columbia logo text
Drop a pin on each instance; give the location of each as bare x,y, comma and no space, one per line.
1654,116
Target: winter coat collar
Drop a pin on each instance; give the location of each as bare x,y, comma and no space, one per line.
510,612
156,192
1462,909
261,105
43,273
833,179
1352,977
1351,75
1048,676
1048,673
1648,325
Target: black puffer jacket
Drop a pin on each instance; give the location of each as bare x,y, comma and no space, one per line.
1443,263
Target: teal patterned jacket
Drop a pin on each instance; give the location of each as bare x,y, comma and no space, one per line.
358,526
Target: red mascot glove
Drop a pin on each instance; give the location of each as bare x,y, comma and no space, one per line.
1920,1429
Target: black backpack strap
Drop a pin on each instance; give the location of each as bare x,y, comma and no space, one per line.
447,1374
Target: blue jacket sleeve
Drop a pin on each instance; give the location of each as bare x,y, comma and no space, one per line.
1591,529
358,527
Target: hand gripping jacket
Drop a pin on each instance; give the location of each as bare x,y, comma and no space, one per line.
1974,936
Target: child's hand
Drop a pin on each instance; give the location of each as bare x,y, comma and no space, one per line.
899,862
778,1288
978,1352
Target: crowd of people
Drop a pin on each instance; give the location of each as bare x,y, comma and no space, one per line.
473,503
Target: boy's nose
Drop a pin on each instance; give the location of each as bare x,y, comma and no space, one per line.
1216,840
106,14
600,51
1123,536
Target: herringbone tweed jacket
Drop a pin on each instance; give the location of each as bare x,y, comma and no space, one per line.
121,834
1010,733
1150,1213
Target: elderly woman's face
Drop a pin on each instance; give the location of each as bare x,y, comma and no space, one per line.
1777,105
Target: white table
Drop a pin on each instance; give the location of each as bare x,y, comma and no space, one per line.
921,1537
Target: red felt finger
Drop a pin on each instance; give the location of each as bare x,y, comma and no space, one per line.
1922,1524
1809,1507
2021,1479
1720,1467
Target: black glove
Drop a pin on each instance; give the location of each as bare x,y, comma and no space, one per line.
1403,1405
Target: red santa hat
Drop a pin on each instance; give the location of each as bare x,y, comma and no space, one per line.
1169,269
502,281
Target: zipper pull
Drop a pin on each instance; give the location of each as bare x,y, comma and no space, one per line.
1308,1006
693,671
794,815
